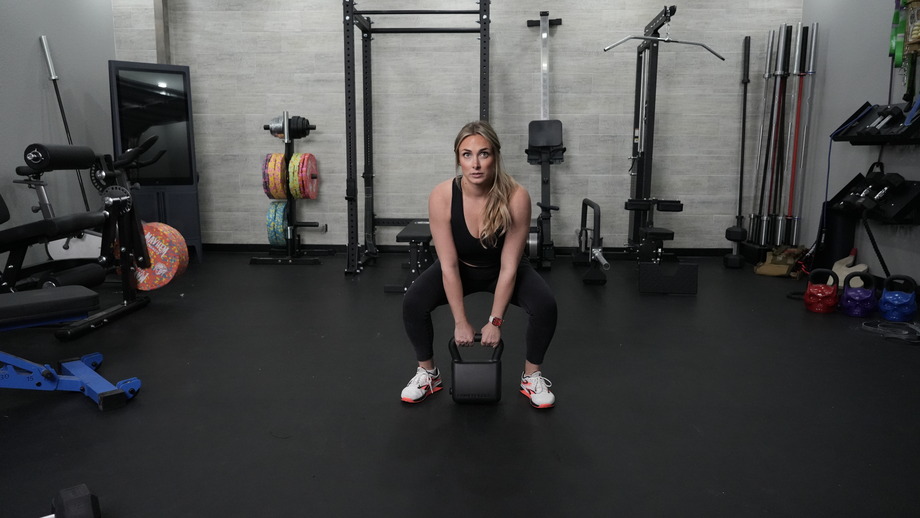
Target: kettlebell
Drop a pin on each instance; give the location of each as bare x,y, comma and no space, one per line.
476,381
858,302
899,299
821,297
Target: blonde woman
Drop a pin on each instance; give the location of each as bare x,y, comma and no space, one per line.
479,222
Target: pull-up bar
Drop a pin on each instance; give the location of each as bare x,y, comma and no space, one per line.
418,30
420,11
421,30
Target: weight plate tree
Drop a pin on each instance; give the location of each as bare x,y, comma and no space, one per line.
286,178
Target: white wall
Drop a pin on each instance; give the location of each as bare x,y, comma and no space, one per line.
252,60
81,39
854,68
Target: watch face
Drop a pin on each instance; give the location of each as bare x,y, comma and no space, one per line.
497,322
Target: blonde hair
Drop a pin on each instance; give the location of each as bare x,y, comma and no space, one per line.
496,215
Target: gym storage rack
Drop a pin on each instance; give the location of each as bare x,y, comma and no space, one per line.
359,255
289,129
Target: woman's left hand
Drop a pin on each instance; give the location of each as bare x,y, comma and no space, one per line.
491,335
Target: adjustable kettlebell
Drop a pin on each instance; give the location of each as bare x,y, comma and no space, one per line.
821,294
899,299
858,301
476,381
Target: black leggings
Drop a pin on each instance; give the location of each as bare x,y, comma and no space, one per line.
531,293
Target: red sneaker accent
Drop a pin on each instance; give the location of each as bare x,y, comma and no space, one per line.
528,393
423,398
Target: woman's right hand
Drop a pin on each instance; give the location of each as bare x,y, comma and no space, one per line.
464,334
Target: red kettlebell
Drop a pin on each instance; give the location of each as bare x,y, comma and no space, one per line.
821,295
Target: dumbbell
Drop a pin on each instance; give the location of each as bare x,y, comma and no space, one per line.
886,115
868,187
890,182
75,502
736,235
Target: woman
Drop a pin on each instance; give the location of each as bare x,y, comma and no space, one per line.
479,222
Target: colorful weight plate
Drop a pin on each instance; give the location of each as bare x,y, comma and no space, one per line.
265,182
168,256
276,222
294,176
309,176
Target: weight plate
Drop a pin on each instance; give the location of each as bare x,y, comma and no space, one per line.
309,176
168,256
265,183
276,222
275,174
294,176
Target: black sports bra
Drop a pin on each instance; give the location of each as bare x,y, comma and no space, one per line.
470,249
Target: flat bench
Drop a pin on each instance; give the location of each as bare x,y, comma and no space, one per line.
418,235
46,306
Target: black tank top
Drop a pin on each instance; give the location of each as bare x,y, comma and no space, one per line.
469,249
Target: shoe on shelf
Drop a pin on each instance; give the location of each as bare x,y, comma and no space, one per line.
422,385
536,387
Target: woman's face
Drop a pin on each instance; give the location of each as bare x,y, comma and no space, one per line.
476,160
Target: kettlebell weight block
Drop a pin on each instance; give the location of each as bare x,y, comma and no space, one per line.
476,381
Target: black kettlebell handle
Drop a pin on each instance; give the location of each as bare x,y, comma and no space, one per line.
455,353
828,275
868,280
907,283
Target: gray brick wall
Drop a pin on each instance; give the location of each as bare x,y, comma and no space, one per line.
252,60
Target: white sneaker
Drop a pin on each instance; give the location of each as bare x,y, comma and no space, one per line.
422,385
536,387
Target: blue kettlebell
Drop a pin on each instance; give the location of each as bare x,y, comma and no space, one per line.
899,299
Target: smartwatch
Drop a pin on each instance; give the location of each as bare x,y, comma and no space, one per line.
496,321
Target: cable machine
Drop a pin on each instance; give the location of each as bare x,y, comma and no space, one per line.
359,255
644,238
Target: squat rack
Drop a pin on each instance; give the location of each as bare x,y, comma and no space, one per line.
358,255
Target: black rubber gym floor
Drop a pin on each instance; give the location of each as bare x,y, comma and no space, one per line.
274,391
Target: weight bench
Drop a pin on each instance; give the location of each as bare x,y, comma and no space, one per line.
418,235
118,220
652,237
77,375
655,274
17,241
46,306
49,306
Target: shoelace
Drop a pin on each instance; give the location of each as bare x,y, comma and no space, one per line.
424,379
539,383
